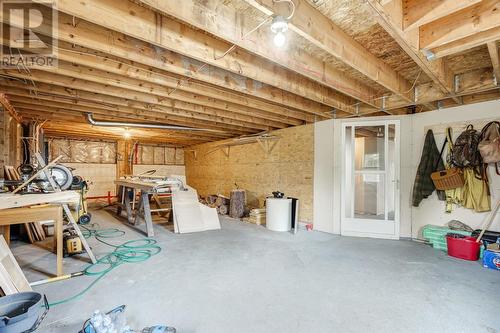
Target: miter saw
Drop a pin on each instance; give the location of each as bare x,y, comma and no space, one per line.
62,175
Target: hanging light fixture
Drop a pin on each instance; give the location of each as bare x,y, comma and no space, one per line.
279,26
126,133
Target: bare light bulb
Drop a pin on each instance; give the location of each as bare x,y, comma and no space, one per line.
127,134
279,39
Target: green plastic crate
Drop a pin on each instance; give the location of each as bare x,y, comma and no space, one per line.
436,235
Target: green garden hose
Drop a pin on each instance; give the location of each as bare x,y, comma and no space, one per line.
130,252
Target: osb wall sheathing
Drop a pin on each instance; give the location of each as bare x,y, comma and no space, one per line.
288,168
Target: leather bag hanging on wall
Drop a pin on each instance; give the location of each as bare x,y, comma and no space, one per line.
489,146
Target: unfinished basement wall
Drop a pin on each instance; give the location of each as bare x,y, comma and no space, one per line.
287,168
328,177
96,161
10,141
166,161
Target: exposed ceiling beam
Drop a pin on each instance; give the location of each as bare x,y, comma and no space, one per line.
391,19
178,85
466,43
177,107
5,103
79,118
260,42
184,101
336,42
475,19
118,104
59,128
120,45
65,106
162,113
146,25
495,59
420,12
472,82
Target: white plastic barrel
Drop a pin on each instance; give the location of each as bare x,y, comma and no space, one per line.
279,214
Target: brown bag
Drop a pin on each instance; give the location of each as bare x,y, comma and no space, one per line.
452,177
489,147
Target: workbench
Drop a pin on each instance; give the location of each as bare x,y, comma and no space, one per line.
143,209
23,215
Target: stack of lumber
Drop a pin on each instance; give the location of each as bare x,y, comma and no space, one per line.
257,216
34,230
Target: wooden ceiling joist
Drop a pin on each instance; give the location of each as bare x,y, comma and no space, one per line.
176,83
5,103
177,107
144,24
420,12
56,128
195,13
93,37
51,106
121,106
481,17
390,17
336,42
495,59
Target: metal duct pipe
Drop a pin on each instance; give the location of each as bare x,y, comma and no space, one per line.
94,122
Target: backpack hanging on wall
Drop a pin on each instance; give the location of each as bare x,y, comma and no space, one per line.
465,151
489,146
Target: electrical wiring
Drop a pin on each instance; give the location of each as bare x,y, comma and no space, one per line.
290,2
130,252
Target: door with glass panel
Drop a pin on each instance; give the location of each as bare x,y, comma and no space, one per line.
370,179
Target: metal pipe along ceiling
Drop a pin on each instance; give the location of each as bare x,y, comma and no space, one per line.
94,122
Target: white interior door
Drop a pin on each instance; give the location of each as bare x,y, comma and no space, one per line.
370,176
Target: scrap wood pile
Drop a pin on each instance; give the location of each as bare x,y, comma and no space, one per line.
234,206
217,201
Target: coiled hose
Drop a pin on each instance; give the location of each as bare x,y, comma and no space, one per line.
130,252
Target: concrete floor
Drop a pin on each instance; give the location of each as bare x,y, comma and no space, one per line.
244,278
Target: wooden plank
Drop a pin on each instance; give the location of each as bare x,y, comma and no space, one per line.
11,267
495,59
478,18
420,12
8,200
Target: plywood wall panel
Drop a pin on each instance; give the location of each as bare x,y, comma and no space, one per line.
288,168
